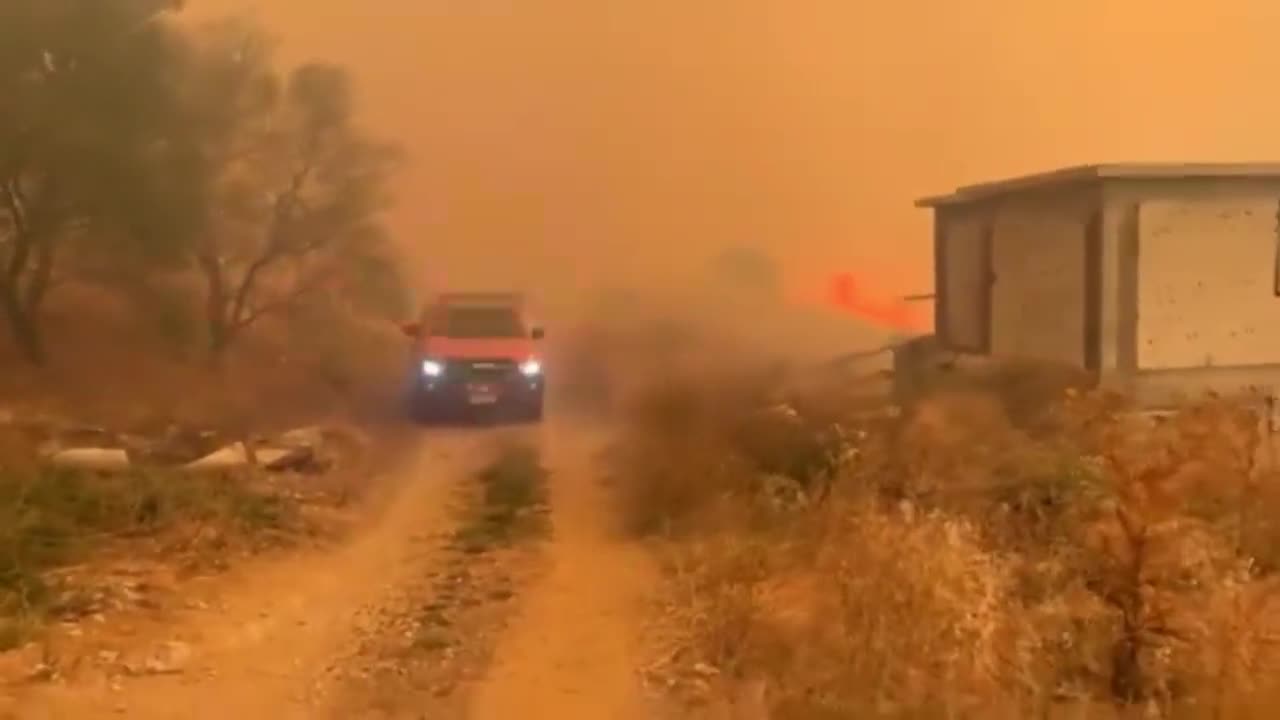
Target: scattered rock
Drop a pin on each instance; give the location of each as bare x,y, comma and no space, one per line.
698,691
175,446
444,689
705,670
299,450
299,459
311,438
73,435
302,450
231,457
291,453
22,662
171,658
88,458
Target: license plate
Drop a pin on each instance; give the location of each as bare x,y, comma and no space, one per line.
482,395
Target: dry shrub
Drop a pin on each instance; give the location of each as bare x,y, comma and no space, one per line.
1153,518
1027,391
676,459
698,436
1172,551
52,518
114,370
954,441
922,621
887,613
1091,561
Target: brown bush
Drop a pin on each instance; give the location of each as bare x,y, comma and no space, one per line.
969,562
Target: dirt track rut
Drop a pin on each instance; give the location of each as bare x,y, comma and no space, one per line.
571,653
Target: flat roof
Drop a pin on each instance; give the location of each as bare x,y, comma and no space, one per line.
477,299
1087,173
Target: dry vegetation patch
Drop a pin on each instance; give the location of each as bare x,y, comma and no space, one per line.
976,556
53,519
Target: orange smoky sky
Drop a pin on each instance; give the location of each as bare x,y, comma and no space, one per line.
580,142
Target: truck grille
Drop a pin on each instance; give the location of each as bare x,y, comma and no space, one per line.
485,369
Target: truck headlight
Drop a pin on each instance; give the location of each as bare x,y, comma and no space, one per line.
432,368
530,368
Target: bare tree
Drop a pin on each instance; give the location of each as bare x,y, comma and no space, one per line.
296,191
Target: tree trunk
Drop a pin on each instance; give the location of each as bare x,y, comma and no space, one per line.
219,341
1126,668
218,324
218,328
29,262
23,327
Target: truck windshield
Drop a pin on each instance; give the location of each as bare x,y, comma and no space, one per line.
480,322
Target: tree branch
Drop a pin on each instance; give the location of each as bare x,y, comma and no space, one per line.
275,247
282,302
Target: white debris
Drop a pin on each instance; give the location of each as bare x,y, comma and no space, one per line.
231,457
99,459
307,437
236,456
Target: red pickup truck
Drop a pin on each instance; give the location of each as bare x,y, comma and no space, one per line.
476,351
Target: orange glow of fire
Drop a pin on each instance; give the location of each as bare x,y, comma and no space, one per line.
846,293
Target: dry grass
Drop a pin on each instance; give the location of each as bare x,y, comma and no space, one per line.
138,366
110,365
53,518
512,500
975,557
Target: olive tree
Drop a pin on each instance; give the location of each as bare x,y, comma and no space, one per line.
295,190
87,89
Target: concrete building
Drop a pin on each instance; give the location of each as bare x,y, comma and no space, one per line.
1163,280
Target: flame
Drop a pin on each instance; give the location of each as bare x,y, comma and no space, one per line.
845,292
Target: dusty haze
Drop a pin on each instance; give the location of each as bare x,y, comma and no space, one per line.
592,141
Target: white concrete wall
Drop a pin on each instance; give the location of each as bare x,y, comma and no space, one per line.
1206,274
1038,302
965,273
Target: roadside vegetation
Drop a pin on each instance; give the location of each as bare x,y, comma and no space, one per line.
1008,546
52,519
192,239
173,201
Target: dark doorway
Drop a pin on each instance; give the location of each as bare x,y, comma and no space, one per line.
1093,293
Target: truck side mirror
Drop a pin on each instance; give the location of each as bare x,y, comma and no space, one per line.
537,333
411,329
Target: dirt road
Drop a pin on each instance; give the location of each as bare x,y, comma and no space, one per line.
274,643
571,653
